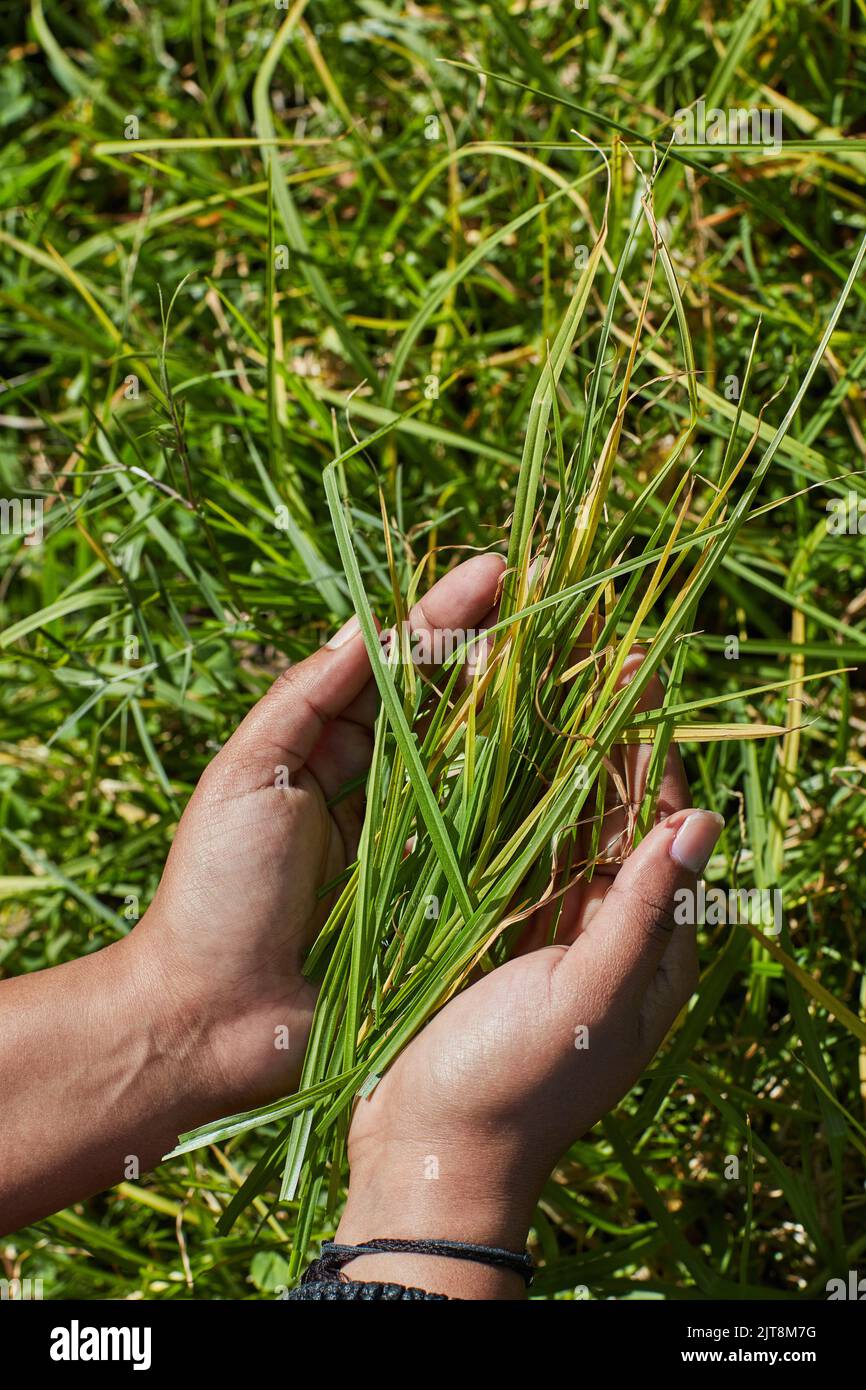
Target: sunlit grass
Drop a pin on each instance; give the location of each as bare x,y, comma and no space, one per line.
662,418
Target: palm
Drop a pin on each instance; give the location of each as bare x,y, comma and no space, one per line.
507,1026
268,827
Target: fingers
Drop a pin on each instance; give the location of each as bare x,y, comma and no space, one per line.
439,620
461,600
632,763
298,711
674,789
287,723
645,914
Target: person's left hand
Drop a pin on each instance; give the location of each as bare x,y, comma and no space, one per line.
462,1131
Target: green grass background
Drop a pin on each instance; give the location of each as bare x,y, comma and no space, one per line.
188,551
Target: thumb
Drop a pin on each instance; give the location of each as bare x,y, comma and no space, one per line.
638,922
289,719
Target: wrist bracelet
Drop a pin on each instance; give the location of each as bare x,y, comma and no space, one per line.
328,1267
352,1291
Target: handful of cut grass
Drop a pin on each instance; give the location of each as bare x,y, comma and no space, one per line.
500,780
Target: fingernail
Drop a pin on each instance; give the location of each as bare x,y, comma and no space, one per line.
345,634
633,662
696,839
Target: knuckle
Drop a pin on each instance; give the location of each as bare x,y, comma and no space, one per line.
219,779
288,676
655,918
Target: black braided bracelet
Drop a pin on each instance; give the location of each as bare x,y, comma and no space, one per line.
353,1291
328,1267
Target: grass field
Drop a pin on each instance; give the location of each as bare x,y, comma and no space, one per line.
236,237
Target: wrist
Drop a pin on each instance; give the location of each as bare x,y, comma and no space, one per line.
459,1279
174,1023
234,1046
411,1203
447,1216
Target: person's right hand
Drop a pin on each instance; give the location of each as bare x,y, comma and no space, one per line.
267,828
461,1133
203,1009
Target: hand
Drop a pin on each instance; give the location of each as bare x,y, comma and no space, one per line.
461,1133
239,903
180,1021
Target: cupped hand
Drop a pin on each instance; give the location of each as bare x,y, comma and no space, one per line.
240,899
460,1135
